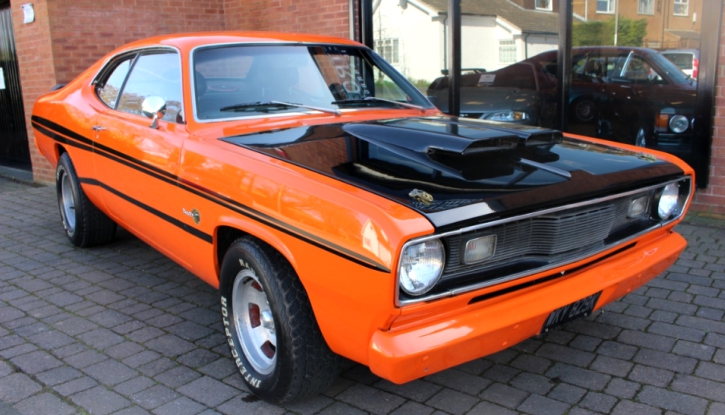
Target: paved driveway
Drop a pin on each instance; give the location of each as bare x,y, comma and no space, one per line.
123,330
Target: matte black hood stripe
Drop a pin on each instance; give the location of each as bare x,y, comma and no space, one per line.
71,138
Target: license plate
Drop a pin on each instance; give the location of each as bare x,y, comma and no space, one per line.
571,312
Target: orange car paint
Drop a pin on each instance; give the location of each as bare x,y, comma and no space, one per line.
180,168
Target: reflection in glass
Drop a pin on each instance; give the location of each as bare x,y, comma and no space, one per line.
156,74
325,77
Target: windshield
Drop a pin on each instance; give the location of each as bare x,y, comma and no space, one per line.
241,81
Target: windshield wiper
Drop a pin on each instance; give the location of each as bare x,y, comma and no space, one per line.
277,104
374,99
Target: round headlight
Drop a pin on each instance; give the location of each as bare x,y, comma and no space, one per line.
421,266
679,123
668,201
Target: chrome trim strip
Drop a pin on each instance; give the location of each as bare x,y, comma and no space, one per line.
457,291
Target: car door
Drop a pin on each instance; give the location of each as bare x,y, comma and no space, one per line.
137,163
617,101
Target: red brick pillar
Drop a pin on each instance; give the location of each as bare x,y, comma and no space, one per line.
37,72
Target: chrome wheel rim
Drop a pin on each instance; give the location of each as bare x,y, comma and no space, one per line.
254,322
640,140
584,110
68,205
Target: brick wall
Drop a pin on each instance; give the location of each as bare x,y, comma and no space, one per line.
710,202
37,72
324,17
68,36
84,30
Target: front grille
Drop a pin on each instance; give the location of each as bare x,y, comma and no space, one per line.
551,237
541,241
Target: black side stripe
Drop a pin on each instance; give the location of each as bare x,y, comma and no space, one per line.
59,138
111,153
277,224
199,234
69,137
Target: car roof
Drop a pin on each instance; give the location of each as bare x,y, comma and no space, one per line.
187,41
693,51
591,49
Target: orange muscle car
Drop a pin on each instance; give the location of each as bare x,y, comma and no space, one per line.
340,214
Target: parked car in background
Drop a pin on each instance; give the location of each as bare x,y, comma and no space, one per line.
340,214
635,95
641,97
521,93
688,60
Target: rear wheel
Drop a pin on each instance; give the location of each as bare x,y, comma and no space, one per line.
584,109
270,327
85,225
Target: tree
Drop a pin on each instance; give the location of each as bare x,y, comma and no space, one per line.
601,32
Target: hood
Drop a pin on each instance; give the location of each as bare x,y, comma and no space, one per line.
456,171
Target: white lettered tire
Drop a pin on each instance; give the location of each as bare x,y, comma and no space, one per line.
270,327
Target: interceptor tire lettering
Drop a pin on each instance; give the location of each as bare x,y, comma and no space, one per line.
304,365
85,225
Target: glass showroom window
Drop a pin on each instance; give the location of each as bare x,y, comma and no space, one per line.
543,5
646,7
681,7
605,6
388,49
506,51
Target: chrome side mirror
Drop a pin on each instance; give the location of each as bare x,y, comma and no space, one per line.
154,107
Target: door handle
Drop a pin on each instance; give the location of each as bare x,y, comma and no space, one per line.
98,128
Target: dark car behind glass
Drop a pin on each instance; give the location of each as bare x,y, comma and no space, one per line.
635,95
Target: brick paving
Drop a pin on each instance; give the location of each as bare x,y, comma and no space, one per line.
122,330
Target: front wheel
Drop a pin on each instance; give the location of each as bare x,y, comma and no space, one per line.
270,327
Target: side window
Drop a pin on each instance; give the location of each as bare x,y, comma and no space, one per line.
157,74
638,70
112,86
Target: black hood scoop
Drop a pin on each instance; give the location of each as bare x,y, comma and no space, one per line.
472,170
443,136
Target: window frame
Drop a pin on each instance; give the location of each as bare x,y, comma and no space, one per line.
650,7
549,8
503,52
112,63
610,7
685,3
393,45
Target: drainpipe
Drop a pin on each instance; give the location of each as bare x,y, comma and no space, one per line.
351,18
454,58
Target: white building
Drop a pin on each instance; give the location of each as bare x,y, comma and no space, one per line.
411,34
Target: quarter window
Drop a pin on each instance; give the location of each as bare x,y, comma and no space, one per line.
681,7
112,86
157,74
605,6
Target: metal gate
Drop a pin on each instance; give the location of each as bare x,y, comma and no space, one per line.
13,133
